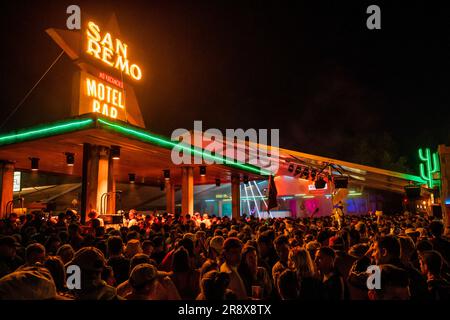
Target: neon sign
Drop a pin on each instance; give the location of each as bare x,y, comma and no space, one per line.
101,96
112,52
430,167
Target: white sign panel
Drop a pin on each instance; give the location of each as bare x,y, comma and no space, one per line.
312,187
16,184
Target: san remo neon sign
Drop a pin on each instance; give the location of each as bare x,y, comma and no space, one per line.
112,52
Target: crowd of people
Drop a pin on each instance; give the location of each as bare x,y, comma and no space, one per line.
202,257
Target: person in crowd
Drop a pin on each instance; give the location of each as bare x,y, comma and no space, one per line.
333,283
252,275
394,284
431,263
119,263
9,260
55,265
147,247
440,244
281,245
300,261
91,262
288,285
159,251
34,254
65,252
16,285
266,250
133,247
75,237
214,255
142,281
94,219
232,248
214,287
132,218
184,276
387,250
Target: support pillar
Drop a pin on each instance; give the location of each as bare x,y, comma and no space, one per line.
444,156
187,191
170,196
235,196
111,187
6,186
94,179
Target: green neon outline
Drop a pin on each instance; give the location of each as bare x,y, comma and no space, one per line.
193,150
429,167
39,133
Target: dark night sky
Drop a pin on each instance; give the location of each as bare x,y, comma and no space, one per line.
310,68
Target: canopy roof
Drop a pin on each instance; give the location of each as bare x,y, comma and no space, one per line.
143,153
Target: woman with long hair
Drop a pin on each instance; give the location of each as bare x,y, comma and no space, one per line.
252,275
301,262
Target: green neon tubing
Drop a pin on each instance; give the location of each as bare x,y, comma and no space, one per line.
37,133
170,144
431,166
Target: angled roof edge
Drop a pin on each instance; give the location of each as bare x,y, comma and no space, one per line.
90,121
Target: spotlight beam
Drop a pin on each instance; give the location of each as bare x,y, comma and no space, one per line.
248,202
265,203
254,200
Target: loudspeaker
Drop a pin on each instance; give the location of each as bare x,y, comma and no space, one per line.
320,183
412,192
340,182
437,211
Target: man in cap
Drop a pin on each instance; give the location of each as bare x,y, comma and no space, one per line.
142,281
30,283
91,262
214,259
9,261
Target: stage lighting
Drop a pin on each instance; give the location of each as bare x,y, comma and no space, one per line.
320,183
291,168
131,177
246,179
298,170
217,182
340,182
305,173
70,159
34,164
166,174
202,171
115,152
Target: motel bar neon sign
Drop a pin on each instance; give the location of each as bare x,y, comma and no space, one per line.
105,99
111,51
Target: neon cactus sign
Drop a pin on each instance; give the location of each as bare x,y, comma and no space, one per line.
430,167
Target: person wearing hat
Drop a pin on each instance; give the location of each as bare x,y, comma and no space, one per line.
133,247
9,260
30,283
142,281
91,262
214,259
